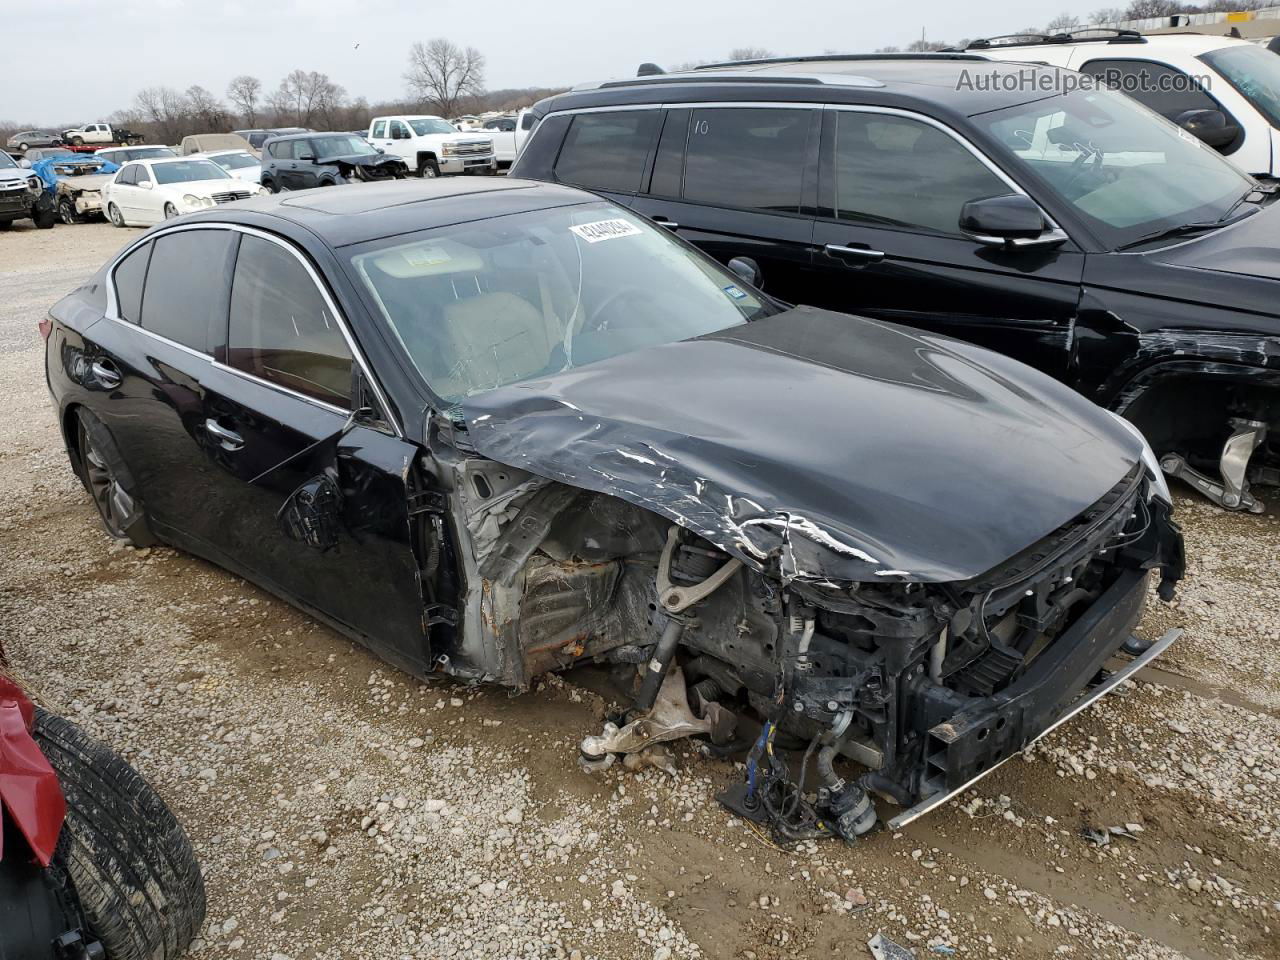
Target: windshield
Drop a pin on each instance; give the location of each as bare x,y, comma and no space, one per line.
1128,172
235,161
1255,72
184,171
423,127
351,146
484,304
6,161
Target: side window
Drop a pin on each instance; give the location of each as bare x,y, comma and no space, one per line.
902,172
527,121
185,298
128,175
747,157
129,276
380,128
281,328
142,176
399,130
282,149
607,150
1166,90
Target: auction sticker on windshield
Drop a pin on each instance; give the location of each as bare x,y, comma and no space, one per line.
605,230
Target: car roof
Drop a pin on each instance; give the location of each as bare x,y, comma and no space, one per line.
215,153
156,161
941,79
343,216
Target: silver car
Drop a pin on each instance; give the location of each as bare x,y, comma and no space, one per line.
25,139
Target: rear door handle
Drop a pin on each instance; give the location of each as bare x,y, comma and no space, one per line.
668,224
228,439
865,254
105,373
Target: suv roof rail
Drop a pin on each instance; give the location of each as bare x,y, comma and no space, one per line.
1105,35
841,57
832,79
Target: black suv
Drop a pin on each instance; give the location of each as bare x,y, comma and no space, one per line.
1068,227
325,160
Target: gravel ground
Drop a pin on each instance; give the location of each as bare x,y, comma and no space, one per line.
342,809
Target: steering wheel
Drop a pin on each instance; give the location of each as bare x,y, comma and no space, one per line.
597,321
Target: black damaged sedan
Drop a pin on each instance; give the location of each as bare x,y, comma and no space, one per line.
493,429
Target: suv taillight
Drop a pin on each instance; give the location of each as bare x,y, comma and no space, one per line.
46,327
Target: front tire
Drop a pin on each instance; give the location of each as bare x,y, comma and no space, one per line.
117,218
44,216
24,147
67,211
131,864
428,169
107,478
77,141
170,211
267,184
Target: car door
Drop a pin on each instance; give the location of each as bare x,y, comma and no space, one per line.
279,417
122,189
740,181
288,168
889,245
378,135
148,201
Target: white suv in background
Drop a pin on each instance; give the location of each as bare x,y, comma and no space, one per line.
431,146
1179,76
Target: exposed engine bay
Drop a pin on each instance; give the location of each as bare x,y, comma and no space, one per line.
927,685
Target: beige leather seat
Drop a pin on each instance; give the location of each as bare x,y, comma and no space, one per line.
492,339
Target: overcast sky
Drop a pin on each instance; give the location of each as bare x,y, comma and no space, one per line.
119,47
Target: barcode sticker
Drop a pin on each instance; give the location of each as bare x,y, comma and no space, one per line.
605,230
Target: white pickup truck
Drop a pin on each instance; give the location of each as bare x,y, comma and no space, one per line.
431,146
99,133
509,134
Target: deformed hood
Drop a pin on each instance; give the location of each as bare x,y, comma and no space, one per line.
823,446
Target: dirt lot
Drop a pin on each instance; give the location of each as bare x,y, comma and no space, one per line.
344,810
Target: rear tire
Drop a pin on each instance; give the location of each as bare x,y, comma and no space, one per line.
131,864
67,211
107,478
24,147
117,219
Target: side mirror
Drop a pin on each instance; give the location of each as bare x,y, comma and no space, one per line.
747,269
312,512
1211,126
1011,221
307,158
24,163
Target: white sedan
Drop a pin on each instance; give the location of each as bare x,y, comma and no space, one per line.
148,191
241,164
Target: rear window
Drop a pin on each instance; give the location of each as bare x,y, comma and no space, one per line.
185,297
747,157
607,150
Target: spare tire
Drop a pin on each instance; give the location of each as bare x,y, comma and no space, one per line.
130,863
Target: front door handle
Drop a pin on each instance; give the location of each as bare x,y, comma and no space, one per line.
668,224
228,439
105,374
865,254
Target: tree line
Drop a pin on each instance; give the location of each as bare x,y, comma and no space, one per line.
441,78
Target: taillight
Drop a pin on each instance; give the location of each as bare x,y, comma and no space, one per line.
46,327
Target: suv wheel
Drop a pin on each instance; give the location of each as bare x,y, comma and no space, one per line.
77,141
428,168
67,211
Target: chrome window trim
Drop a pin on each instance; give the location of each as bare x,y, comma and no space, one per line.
112,312
814,105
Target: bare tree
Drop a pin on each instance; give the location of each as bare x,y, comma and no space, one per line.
750,53
207,112
1107,15
925,46
245,92
444,74
165,110
889,49
1062,23
305,96
1144,9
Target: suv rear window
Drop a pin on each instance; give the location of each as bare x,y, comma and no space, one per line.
607,150
747,157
